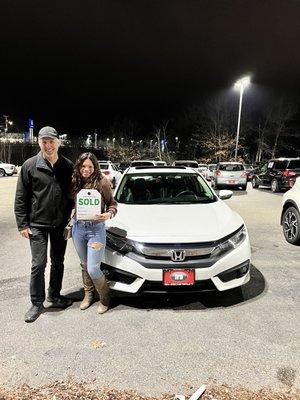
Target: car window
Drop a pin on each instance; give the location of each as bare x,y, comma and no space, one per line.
141,163
280,164
212,167
294,164
158,188
186,164
231,167
103,166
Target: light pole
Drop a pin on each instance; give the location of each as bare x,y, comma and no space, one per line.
7,122
241,84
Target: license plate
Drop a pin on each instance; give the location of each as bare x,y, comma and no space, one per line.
177,277
231,182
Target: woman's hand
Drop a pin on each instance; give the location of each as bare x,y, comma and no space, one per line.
103,217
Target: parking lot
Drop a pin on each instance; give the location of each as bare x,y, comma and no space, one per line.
159,344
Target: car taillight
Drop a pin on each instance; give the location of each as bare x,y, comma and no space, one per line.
106,172
244,174
288,173
218,172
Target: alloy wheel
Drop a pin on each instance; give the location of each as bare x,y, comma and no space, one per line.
290,226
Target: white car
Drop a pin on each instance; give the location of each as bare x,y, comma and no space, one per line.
230,174
172,233
110,171
290,215
7,169
210,171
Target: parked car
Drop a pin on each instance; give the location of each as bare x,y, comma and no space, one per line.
230,174
186,163
140,163
278,174
7,169
110,171
250,171
290,215
173,233
202,168
209,172
123,166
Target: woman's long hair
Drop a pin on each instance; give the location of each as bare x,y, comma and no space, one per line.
93,182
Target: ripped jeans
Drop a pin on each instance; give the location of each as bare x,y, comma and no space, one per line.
89,240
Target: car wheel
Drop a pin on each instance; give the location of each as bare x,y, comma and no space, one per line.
290,225
275,186
244,187
2,172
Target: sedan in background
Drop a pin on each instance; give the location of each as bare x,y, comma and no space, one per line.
7,169
229,174
172,233
290,216
110,171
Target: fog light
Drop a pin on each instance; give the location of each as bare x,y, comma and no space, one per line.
235,272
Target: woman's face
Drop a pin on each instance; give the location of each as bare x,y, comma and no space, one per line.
87,169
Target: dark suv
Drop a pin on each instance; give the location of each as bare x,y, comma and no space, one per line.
279,174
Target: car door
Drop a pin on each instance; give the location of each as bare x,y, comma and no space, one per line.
263,174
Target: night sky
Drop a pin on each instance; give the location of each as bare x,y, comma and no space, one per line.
77,64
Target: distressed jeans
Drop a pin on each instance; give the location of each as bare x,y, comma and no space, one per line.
89,240
39,245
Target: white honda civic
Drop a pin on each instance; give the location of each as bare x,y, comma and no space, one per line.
173,233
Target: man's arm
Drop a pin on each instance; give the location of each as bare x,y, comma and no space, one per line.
22,201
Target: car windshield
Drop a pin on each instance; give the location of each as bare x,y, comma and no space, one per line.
141,163
164,188
186,164
103,166
231,167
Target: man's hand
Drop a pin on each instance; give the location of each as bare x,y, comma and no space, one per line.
25,233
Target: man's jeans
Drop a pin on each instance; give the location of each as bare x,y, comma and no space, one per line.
39,245
89,239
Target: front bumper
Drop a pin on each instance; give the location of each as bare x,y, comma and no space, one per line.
131,276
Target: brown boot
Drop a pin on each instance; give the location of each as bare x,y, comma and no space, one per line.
103,290
88,288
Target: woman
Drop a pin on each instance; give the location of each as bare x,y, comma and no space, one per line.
89,237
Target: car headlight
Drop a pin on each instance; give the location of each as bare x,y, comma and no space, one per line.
119,243
231,243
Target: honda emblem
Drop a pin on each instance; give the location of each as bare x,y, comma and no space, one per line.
177,255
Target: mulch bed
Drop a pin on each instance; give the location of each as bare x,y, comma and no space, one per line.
71,390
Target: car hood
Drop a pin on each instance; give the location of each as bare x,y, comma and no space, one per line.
167,223
5,165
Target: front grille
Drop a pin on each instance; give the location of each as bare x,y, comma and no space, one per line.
158,287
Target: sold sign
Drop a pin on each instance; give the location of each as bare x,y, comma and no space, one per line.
88,204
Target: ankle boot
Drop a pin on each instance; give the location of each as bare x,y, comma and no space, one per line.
103,290
88,288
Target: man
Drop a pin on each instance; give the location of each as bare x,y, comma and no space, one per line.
43,206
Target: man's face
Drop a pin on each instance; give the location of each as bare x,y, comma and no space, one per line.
49,147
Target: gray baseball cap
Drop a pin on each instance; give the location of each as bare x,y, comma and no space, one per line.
48,132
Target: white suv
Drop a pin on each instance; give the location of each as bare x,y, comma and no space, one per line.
7,169
290,215
110,171
172,233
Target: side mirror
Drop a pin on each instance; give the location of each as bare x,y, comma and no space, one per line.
225,194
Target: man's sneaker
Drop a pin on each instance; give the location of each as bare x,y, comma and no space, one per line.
34,312
59,302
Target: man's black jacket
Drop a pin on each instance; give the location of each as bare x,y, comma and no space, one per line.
43,197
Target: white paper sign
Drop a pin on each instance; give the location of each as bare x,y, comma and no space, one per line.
88,204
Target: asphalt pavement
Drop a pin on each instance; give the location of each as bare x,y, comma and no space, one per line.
158,344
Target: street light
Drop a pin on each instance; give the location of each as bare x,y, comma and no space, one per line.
7,122
240,85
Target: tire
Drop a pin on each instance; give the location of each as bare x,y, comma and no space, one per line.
2,172
254,182
291,225
275,186
244,187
